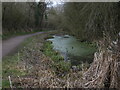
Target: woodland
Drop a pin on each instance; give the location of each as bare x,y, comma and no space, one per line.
91,23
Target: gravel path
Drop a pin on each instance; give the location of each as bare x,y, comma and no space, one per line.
11,44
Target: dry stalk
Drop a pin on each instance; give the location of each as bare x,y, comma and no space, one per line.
10,82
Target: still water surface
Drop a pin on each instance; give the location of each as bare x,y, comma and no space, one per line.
72,49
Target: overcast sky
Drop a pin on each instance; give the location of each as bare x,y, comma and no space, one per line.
55,2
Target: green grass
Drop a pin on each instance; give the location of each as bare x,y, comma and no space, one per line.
11,34
59,65
5,84
9,68
48,51
0,36
10,63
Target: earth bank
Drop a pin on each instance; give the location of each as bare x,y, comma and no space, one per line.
30,67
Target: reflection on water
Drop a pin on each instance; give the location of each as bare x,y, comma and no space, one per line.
72,49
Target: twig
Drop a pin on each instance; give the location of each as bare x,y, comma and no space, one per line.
10,81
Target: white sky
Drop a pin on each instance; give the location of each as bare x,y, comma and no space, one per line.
61,0
55,2
80,0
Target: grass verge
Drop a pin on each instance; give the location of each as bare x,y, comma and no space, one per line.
59,65
11,34
63,67
10,65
